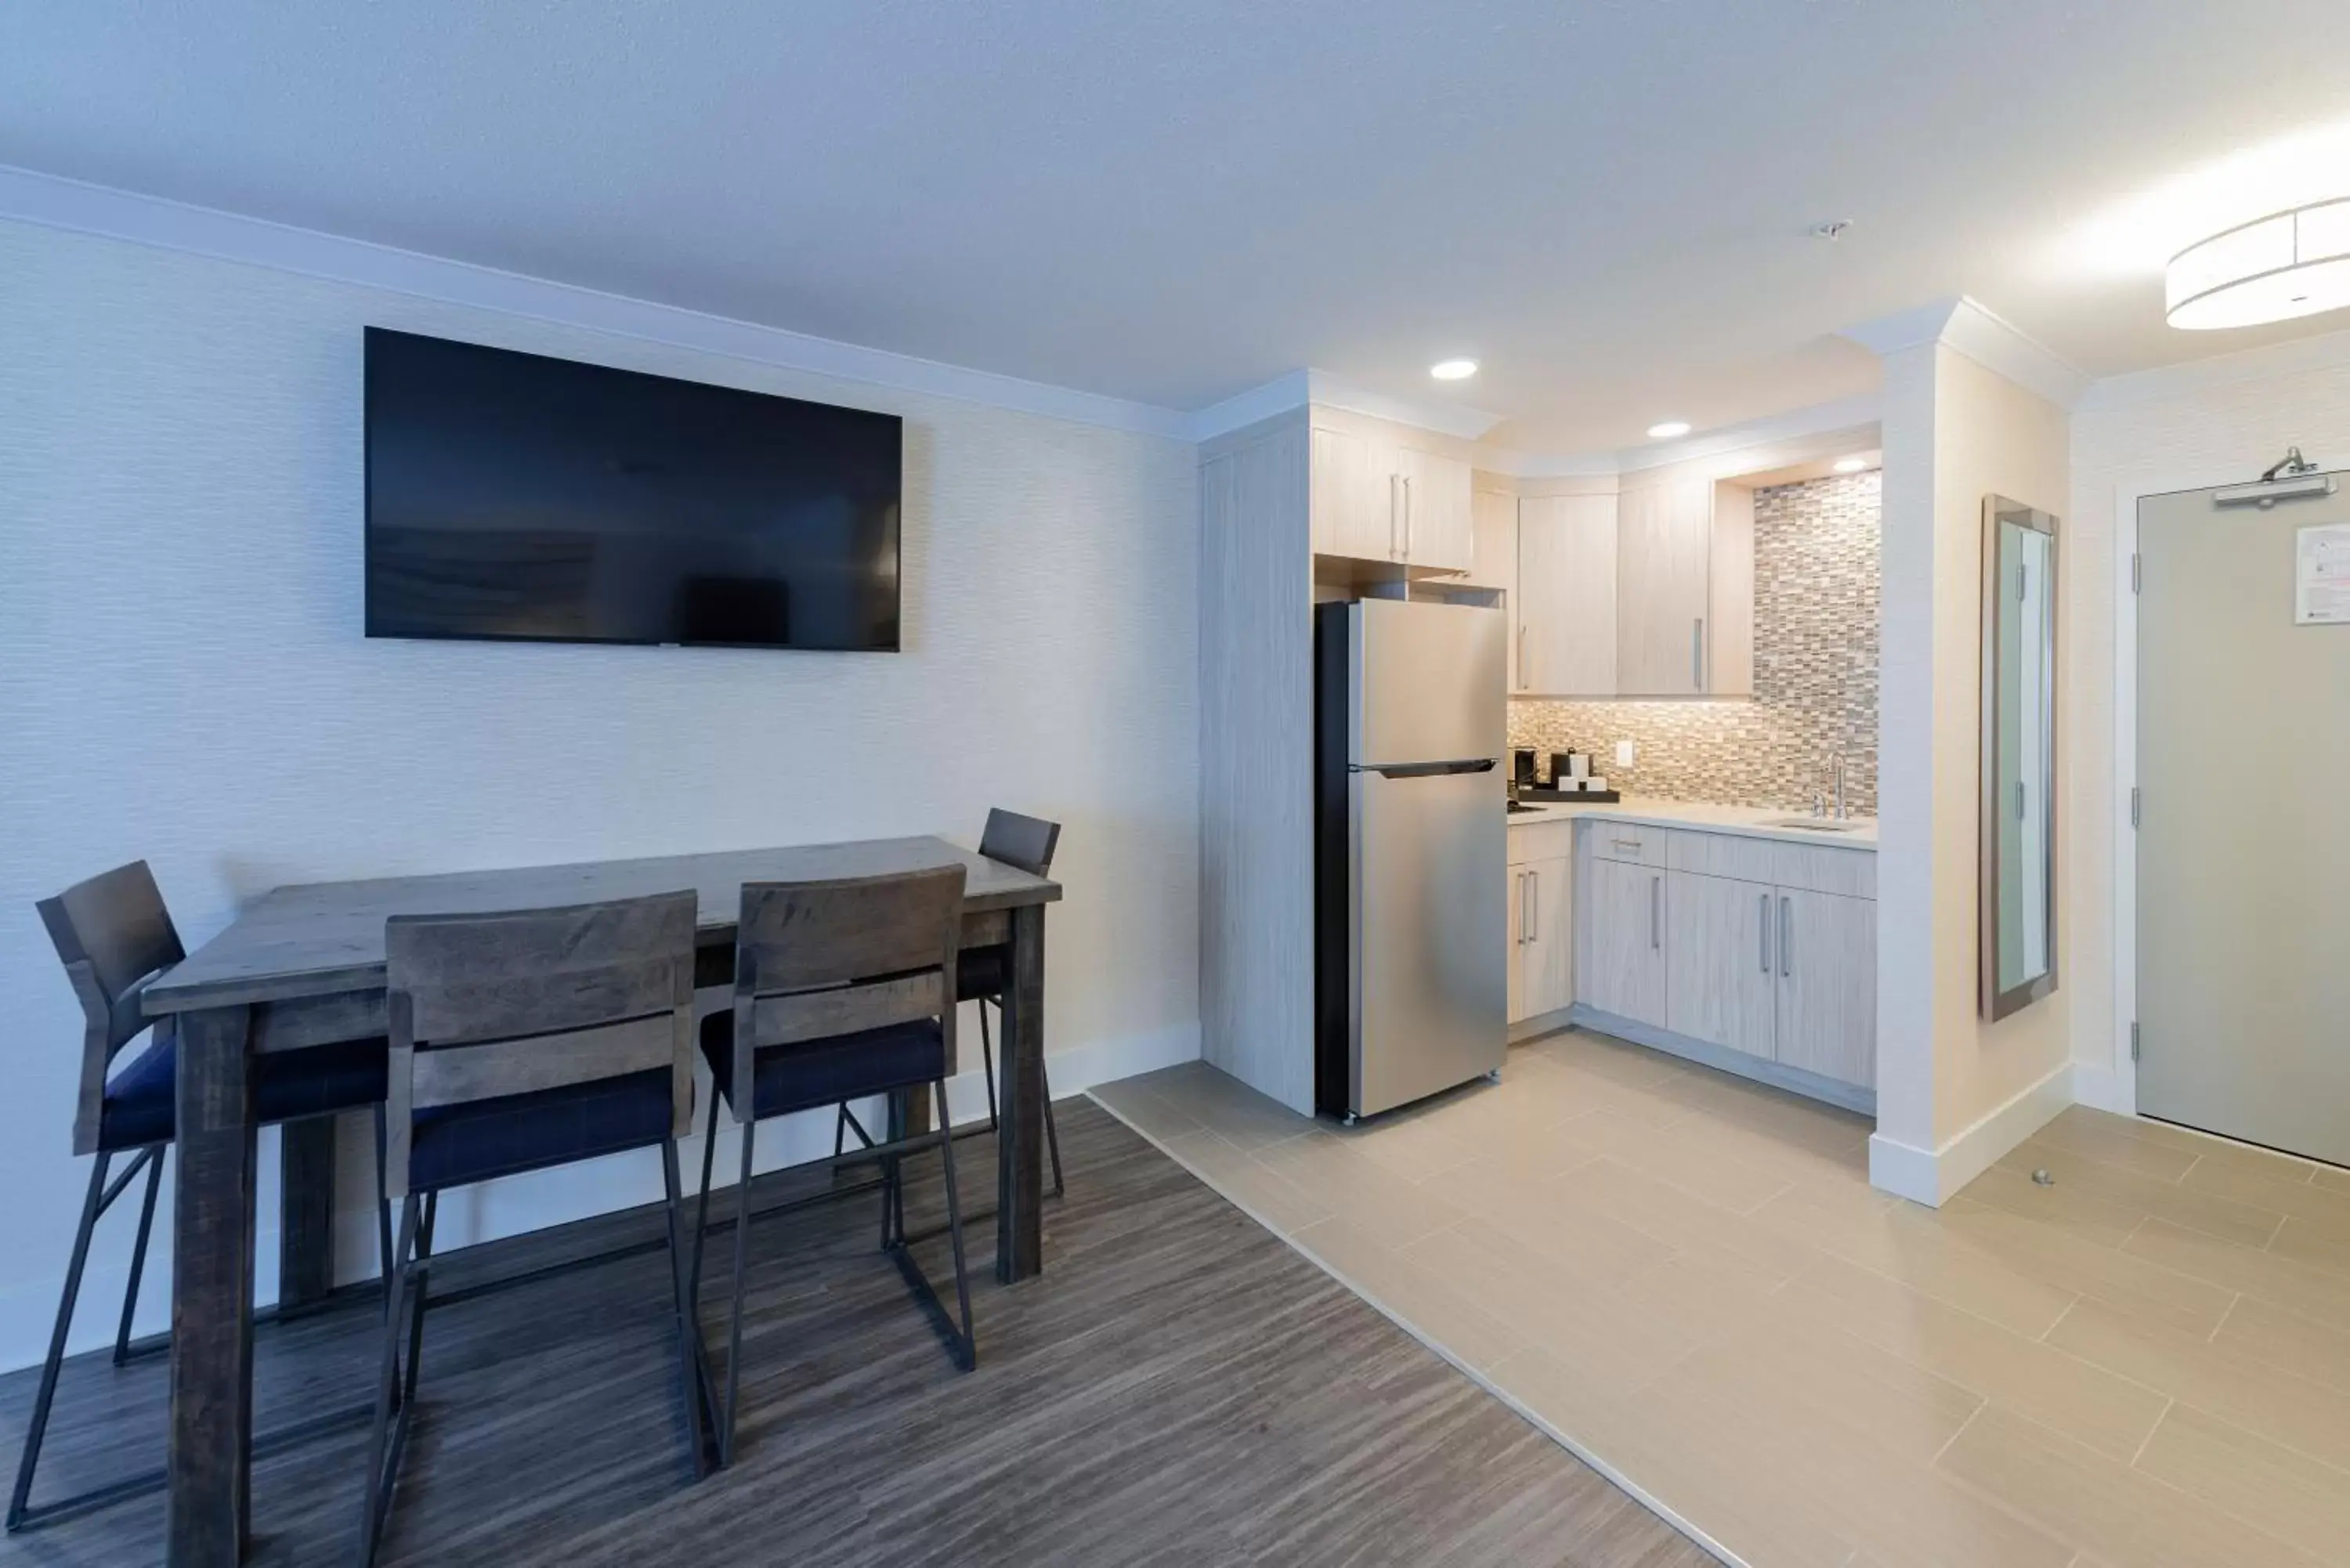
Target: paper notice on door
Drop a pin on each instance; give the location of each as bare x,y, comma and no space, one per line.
2320,559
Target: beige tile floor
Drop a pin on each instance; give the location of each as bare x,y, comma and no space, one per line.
1687,1279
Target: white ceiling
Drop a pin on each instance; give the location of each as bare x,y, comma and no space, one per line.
1172,200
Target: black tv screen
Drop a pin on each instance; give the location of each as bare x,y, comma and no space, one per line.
520,498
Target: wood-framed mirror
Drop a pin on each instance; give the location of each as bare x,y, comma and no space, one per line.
2017,849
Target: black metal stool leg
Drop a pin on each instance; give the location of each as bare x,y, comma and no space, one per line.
689,1334
1052,1142
376,1504
702,1215
987,1053
734,1331
90,1208
154,1156
970,1348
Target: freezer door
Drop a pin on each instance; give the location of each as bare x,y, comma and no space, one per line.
1430,682
1430,971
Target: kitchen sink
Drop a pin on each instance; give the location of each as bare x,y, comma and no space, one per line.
1816,825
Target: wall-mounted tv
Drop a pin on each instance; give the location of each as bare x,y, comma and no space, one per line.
517,498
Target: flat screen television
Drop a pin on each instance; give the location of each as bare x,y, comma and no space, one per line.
518,498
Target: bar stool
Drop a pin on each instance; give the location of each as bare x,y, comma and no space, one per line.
842,989
982,974
522,1040
113,935
1027,843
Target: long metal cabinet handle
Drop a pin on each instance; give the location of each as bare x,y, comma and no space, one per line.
1786,937
1766,900
1655,912
1533,907
1697,654
1521,908
1407,517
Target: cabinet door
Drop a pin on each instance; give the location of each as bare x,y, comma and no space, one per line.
1719,978
1825,949
1353,498
1494,539
1549,949
1663,538
1438,529
1519,916
1626,940
1567,596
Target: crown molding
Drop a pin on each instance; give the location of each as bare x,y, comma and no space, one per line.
1300,389
51,202
1967,327
1818,419
2192,378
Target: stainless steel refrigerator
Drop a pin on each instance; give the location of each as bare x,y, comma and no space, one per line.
1411,851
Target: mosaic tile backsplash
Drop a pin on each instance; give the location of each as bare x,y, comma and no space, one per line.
1815,631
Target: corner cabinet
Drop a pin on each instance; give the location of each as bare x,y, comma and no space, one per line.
1540,920
1647,592
1372,498
1754,955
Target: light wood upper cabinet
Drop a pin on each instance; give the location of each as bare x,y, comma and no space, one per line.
1663,599
1438,527
1719,980
1374,499
1565,603
1351,509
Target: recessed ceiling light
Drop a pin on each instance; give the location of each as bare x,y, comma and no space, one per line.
1851,464
1668,429
2272,269
1453,369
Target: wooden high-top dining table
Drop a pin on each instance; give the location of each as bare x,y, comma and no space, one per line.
304,965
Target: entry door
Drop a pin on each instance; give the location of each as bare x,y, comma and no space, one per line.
2243,847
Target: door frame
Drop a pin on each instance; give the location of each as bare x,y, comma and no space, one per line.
2116,1088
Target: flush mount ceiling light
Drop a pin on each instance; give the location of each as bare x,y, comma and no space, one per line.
1851,464
2287,265
1668,429
1453,369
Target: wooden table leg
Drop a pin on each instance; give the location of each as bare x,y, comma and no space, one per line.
1020,1094
305,1213
209,1461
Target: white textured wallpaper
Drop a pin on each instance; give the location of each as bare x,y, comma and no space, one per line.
183,678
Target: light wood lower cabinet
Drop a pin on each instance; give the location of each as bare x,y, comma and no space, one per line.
1719,978
1826,1004
1785,974
1624,940
1541,938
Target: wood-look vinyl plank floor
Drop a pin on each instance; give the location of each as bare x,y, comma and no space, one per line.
1686,1277
1179,1388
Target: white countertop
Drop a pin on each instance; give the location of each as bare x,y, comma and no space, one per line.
1747,821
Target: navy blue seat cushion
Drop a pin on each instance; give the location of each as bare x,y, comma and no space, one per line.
454,1146
982,971
141,1102
827,1072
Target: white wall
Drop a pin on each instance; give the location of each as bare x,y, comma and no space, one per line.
2216,421
183,678
1954,1093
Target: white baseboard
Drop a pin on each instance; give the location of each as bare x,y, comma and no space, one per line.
1932,1176
2106,1088
509,1207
